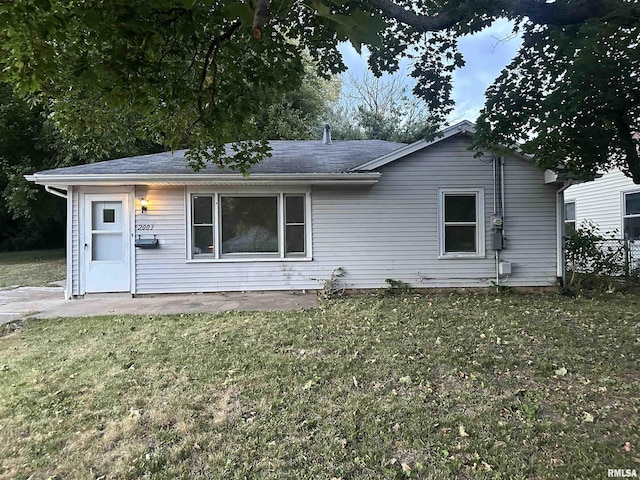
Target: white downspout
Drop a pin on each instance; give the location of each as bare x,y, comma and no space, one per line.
67,195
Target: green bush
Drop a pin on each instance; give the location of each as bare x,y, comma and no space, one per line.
594,257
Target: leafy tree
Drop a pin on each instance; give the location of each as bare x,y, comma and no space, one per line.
380,108
30,141
200,72
300,114
27,218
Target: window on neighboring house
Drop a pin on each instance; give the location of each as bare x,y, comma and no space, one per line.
569,217
461,223
245,226
631,218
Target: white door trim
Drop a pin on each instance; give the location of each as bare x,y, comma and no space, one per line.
125,194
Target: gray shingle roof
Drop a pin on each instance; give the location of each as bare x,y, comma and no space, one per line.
288,156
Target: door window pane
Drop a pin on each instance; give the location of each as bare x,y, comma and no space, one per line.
109,215
249,224
106,246
106,215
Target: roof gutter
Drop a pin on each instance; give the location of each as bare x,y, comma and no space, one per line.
55,191
58,181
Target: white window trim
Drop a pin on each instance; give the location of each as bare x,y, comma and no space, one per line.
480,225
624,209
216,193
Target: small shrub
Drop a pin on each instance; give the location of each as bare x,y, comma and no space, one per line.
331,286
397,286
595,259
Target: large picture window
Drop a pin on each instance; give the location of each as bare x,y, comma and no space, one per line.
246,226
461,223
631,217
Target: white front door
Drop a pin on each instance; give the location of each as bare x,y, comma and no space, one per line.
107,243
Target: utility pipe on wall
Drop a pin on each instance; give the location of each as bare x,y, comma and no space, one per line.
560,263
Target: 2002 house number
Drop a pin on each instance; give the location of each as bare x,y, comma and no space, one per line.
144,227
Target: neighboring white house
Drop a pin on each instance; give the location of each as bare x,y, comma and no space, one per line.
429,214
612,202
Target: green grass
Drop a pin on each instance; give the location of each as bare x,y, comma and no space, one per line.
33,268
440,386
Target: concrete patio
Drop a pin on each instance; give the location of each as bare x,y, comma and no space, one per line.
49,302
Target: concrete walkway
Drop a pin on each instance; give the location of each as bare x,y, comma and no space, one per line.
49,302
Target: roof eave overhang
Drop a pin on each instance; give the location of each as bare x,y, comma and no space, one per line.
367,178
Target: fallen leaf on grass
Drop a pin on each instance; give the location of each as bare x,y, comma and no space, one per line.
561,372
587,417
461,431
405,467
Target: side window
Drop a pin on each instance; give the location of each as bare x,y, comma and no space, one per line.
202,233
461,223
295,228
631,217
569,217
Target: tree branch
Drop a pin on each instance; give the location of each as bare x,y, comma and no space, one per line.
538,11
211,53
260,18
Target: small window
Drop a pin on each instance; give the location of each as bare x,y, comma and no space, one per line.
569,217
294,225
461,223
108,215
202,233
631,218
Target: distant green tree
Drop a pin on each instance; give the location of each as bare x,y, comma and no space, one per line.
27,218
300,114
31,141
382,109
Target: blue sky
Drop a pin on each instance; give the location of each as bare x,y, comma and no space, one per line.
486,53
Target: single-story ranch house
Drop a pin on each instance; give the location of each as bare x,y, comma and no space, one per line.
428,214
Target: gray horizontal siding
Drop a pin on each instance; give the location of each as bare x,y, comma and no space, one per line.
388,230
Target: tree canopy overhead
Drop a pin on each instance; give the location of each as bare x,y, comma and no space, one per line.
200,73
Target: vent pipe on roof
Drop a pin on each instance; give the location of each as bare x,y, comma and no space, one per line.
326,137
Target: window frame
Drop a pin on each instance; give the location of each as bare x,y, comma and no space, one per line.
624,210
479,223
217,256
575,214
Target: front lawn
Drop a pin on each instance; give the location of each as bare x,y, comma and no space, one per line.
35,268
419,386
